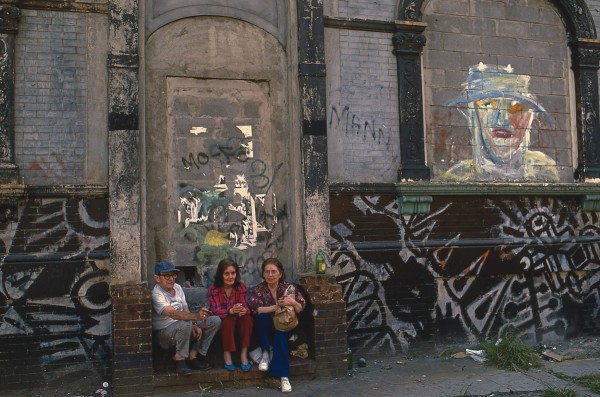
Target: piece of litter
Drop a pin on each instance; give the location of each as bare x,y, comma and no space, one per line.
460,355
477,355
400,362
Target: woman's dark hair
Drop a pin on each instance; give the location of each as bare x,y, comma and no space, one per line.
276,262
221,267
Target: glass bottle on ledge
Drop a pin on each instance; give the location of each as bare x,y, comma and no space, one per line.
320,263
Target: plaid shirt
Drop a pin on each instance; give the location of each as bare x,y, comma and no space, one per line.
261,295
220,303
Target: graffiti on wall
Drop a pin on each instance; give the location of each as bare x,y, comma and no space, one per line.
238,216
543,279
55,308
352,124
501,112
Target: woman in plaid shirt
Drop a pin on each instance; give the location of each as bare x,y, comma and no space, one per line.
265,299
228,299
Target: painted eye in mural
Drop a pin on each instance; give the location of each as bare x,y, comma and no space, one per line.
486,103
517,107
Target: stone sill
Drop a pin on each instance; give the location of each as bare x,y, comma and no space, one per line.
416,197
468,189
20,191
504,189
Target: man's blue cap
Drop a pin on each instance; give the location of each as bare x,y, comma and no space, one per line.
164,267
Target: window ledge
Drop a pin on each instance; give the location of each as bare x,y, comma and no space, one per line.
416,197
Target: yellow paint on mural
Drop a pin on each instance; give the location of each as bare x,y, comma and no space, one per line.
216,238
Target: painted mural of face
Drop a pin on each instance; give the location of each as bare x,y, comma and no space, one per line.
503,125
500,111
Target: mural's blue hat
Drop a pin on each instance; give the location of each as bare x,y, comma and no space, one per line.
164,267
491,81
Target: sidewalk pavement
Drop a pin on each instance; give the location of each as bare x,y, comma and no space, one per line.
422,377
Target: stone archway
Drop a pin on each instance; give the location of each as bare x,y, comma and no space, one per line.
217,147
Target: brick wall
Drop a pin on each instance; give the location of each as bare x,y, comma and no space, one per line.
594,6
368,9
329,331
442,276
366,114
132,340
58,85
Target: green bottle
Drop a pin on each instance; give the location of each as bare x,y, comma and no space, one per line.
320,263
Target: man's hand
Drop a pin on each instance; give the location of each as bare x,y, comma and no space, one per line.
204,313
196,332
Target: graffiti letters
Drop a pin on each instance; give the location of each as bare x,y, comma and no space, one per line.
233,149
352,124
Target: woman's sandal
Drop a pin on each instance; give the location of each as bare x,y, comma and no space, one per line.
229,367
246,367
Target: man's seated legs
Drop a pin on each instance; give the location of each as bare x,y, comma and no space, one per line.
177,334
209,328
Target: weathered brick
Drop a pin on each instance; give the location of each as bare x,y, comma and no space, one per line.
51,103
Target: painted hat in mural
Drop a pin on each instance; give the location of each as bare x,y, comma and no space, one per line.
164,267
492,81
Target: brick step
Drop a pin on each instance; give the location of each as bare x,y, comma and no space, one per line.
163,381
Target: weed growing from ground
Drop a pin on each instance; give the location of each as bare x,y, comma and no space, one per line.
565,392
465,393
511,353
592,382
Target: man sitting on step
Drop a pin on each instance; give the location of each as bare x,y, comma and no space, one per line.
175,325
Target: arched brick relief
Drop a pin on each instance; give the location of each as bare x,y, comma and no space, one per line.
270,15
217,147
410,41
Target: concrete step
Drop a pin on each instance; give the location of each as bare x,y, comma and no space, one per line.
168,380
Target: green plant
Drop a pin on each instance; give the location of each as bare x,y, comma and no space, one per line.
511,353
591,381
465,393
563,392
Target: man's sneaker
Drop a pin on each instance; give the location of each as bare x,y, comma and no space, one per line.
181,368
285,385
200,362
264,364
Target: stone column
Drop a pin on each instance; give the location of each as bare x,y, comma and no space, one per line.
9,19
586,58
329,335
311,77
132,312
408,44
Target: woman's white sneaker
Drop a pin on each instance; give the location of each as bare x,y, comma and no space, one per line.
285,385
264,364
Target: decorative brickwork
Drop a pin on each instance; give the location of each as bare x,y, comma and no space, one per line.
132,340
329,331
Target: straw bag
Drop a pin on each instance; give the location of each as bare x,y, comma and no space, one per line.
285,318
